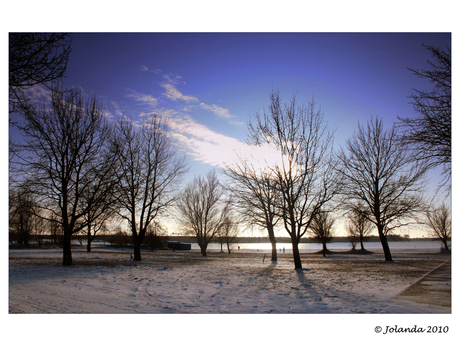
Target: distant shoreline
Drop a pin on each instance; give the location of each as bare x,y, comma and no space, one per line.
187,239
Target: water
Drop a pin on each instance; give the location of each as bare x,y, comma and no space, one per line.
338,246
413,245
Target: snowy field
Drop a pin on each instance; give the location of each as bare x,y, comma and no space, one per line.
242,298
166,282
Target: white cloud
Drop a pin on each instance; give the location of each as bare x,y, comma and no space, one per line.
203,144
38,93
174,94
266,159
144,98
221,112
217,110
143,68
118,110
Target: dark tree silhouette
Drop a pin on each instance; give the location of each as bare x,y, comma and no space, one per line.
430,133
99,210
22,213
380,173
64,150
228,233
156,236
256,195
321,228
359,225
148,174
203,209
35,58
304,176
440,223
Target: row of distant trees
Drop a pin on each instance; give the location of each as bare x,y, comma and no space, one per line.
29,225
83,169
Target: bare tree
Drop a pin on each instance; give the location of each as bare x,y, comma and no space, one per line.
304,175
381,174
440,223
204,212
22,213
352,235
99,203
321,228
256,196
430,133
229,231
35,58
148,173
156,236
64,153
95,225
54,228
359,225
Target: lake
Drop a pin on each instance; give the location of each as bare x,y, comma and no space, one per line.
337,246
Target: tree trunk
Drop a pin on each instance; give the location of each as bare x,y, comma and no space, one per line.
324,249
88,241
446,247
296,253
274,253
137,251
384,242
203,249
271,236
67,249
137,242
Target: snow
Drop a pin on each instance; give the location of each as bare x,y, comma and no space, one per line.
185,282
107,281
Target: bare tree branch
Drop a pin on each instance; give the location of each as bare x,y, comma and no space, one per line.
304,175
380,174
430,134
321,228
256,195
440,223
148,173
64,154
35,58
204,212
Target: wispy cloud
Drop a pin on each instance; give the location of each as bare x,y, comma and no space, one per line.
202,143
174,94
144,98
216,149
118,110
222,113
38,93
217,110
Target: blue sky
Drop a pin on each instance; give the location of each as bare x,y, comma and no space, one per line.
209,84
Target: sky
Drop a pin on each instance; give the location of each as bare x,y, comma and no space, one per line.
208,85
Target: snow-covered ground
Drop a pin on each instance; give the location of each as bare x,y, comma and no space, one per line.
104,297
108,281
